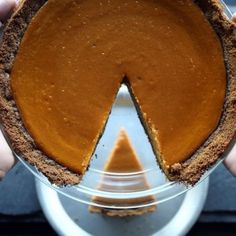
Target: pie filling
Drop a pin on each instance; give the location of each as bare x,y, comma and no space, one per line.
75,54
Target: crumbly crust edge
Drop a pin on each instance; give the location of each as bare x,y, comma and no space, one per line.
122,213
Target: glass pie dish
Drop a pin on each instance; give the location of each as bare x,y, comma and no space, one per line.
119,186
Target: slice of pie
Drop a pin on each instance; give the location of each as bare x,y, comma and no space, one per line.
123,159
62,63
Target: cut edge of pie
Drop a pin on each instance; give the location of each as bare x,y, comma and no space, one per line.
188,172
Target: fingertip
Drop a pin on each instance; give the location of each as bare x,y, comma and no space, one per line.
7,159
234,17
230,161
2,174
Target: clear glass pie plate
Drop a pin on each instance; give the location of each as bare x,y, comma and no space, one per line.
120,185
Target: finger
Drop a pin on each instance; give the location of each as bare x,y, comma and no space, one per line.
230,161
7,159
6,8
2,174
234,17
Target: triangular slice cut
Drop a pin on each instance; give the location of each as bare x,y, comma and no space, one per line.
123,159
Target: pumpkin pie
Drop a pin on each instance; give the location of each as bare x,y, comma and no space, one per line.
62,63
123,160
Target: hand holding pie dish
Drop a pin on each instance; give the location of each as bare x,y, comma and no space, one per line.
62,64
6,157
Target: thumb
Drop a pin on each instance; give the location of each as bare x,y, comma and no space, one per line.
230,161
234,17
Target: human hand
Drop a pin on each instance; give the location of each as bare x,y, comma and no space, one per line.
230,161
6,8
234,17
6,158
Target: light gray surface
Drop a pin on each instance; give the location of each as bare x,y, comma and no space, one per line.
147,223
167,220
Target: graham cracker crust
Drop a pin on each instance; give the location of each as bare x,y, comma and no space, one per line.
122,213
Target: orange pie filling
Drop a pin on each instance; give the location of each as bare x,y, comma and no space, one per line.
75,54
